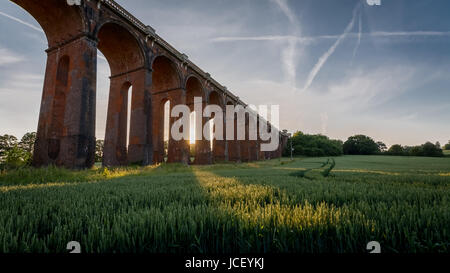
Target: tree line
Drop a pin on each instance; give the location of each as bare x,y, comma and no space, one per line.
15,153
320,145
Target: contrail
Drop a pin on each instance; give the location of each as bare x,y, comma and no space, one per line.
322,60
288,55
409,33
326,37
21,22
359,38
256,38
287,11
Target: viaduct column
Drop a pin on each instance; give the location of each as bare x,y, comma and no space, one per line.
130,87
116,146
140,145
66,129
234,149
178,149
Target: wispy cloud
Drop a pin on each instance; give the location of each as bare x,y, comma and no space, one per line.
22,22
323,59
358,42
289,54
324,122
361,90
8,57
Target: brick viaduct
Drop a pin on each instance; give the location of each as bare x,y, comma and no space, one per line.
137,57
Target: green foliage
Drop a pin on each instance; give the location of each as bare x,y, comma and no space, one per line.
428,149
381,146
314,145
360,145
447,146
7,142
14,154
396,150
250,208
325,170
99,146
17,157
27,142
328,170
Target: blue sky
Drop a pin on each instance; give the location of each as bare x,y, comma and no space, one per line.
337,67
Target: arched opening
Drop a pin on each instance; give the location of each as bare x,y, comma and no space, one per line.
166,118
194,89
166,92
126,63
192,136
58,108
103,86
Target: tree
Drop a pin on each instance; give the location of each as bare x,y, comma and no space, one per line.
430,149
416,151
438,144
360,145
99,145
396,150
27,142
7,142
381,146
17,157
314,145
447,146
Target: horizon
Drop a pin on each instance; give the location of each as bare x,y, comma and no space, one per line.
361,71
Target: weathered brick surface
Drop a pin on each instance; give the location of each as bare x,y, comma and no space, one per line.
66,130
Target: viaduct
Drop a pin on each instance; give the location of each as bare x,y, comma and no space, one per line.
137,57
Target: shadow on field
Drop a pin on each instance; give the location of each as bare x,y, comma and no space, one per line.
259,217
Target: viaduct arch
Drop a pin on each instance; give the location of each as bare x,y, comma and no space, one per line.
140,60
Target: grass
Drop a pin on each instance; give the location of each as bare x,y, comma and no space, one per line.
402,202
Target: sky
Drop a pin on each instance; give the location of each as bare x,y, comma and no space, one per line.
335,67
